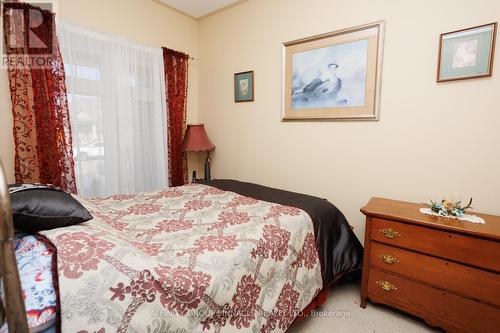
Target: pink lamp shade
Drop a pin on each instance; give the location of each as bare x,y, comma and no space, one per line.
196,139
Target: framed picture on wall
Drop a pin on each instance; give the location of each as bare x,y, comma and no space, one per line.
334,76
243,87
466,53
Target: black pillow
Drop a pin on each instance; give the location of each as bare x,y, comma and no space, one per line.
38,207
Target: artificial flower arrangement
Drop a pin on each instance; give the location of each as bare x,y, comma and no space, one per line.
449,208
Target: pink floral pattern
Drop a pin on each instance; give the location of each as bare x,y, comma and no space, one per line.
174,225
286,310
207,259
144,287
216,243
231,218
240,200
167,226
245,301
144,209
197,204
102,330
122,197
275,242
151,249
182,288
308,255
218,319
78,252
212,243
277,211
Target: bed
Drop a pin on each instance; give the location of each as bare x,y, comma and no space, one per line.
214,257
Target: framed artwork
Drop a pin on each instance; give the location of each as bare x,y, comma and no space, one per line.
334,76
243,87
467,53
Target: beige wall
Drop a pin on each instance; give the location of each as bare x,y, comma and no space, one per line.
432,139
143,21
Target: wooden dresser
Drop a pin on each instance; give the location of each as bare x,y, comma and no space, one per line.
444,270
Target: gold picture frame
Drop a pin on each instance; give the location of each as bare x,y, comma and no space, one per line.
334,76
467,53
244,87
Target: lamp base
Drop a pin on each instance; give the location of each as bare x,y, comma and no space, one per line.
207,167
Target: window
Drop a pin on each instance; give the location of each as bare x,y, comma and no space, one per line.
116,94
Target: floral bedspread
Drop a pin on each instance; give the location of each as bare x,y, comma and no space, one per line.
34,261
187,259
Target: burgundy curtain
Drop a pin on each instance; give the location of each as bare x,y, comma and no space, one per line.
42,130
176,80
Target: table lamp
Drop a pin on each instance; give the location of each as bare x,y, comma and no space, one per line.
196,140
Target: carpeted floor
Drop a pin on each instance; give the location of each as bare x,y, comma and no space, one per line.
345,315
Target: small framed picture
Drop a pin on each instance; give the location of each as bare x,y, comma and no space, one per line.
466,53
243,87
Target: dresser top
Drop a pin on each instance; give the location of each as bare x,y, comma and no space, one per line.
410,212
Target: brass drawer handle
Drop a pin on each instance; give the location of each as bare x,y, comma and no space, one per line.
388,259
390,233
386,285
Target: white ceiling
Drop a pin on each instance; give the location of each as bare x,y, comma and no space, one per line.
198,8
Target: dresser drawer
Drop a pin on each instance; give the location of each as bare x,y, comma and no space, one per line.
474,251
471,282
440,308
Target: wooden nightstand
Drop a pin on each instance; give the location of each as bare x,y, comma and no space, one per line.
444,270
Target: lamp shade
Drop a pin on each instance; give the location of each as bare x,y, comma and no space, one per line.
196,139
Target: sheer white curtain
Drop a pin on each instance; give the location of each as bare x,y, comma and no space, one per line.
116,93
